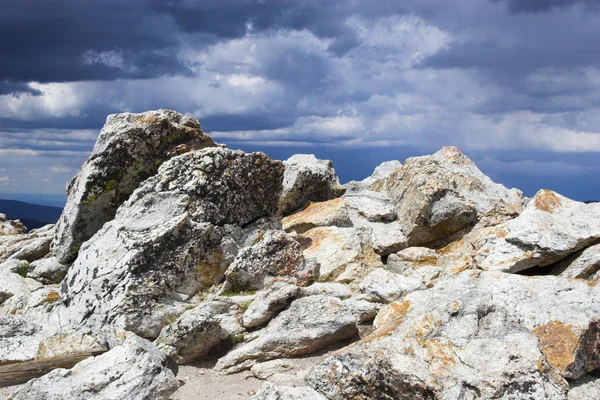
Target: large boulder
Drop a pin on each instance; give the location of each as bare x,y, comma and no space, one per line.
307,179
193,334
550,228
309,324
325,213
8,227
481,335
175,236
438,195
130,149
268,303
47,271
136,370
585,388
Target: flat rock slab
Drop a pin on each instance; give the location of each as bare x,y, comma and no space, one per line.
308,325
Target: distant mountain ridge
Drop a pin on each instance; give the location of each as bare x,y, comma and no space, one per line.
32,215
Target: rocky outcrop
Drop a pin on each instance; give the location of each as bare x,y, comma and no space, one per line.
307,179
436,196
172,238
309,324
135,370
550,228
276,255
487,335
129,150
327,213
8,227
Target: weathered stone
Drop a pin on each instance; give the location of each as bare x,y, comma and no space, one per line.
585,388
193,334
385,286
550,228
381,173
22,340
30,246
134,370
334,289
467,338
172,238
584,264
130,148
438,195
309,324
370,205
307,179
328,213
8,227
269,303
47,271
268,391
363,310
342,253
275,256
481,335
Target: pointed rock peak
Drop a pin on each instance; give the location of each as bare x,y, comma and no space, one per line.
130,148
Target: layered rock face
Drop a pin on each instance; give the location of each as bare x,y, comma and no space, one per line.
175,236
406,285
130,149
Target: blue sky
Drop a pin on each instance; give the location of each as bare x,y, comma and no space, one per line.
514,84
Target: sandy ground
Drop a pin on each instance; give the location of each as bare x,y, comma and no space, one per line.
201,382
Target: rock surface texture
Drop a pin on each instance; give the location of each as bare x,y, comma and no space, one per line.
172,238
307,179
130,149
436,196
424,281
135,370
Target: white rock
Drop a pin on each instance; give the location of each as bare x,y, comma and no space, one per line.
135,370
482,335
584,264
129,149
193,334
585,388
275,256
309,324
334,289
7,227
268,391
269,303
438,195
340,250
550,228
29,246
327,213
385,286
307,178
47,270
174,237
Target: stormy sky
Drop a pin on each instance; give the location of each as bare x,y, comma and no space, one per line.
515,84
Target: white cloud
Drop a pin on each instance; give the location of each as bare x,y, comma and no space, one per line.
59,170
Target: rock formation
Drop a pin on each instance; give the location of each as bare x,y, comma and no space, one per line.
408,284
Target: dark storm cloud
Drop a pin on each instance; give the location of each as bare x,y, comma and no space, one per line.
15,89
534,6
